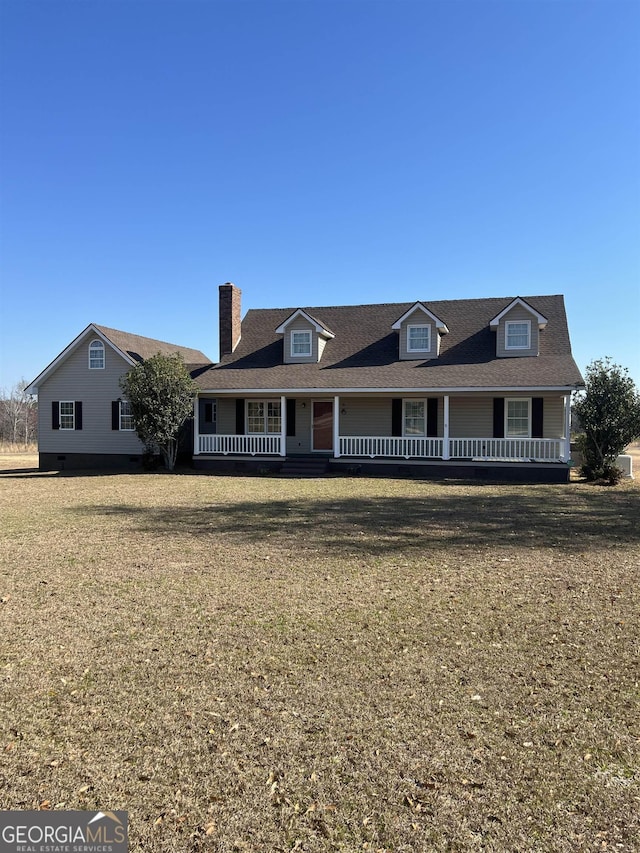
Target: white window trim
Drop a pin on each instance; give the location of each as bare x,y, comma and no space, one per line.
508,400
121,416
418,326
508,323
307,334
422,400
265,416
104,356
71,403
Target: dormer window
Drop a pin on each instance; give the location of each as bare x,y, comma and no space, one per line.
96,355
300,344
420,333
419,338
305,338
517,334
518,328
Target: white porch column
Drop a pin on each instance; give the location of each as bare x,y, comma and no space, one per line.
196,426
283,426
336,427
445,436
566,451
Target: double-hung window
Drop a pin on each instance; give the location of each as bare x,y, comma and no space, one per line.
263,417
300,344
67,415
414,418
518,418
126,417
517,334
96,355
418,338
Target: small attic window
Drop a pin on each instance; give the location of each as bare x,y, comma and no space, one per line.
96,355
418,338
300,344
517,334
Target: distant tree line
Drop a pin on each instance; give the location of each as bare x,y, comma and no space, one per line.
18,416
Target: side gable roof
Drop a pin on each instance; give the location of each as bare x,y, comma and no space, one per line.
132,348
320,328
364,353
542,321
139,348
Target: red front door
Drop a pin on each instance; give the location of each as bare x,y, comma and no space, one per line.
322,438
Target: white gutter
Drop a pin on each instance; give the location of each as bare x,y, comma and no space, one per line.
236,392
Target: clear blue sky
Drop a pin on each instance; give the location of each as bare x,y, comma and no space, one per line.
314,153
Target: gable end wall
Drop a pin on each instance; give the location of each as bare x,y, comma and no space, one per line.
96,389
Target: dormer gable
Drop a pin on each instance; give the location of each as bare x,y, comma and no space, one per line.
420,332
304,338
517,329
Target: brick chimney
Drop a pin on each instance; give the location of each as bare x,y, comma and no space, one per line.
230,319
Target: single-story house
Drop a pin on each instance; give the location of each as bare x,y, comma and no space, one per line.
460,388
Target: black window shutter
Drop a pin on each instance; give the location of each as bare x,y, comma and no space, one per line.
396,416
78,406
498,417
291,416
208,413
115,414
239,416
537,418
432,416
55,415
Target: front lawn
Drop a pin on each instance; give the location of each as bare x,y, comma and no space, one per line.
261,664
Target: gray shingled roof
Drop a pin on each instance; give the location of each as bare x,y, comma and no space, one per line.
364,352
139,348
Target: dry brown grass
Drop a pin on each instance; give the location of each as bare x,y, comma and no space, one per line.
323,665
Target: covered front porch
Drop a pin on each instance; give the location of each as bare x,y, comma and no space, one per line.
475,427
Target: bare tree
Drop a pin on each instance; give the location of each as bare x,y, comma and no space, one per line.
18,415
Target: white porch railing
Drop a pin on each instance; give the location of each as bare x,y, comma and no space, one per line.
380,446
485,449
495,449
507,449
251,444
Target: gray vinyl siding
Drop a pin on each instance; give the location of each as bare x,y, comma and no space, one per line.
300,325
418,318
365,416
95,389
472,417
517,314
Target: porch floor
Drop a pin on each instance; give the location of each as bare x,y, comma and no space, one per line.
428,469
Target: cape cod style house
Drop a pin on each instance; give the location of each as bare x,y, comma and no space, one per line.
461,388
